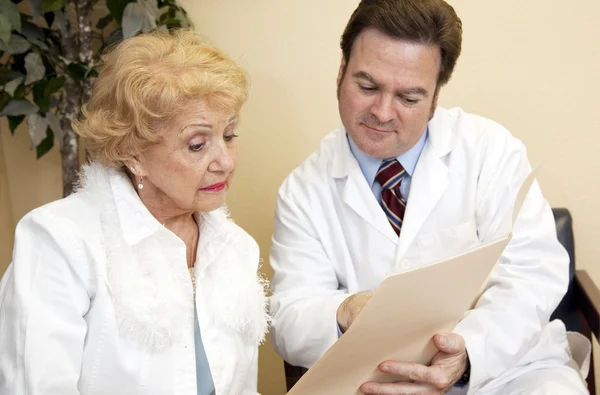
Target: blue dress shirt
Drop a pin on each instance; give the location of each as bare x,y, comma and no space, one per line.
370,165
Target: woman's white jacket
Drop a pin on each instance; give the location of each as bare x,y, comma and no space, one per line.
98,299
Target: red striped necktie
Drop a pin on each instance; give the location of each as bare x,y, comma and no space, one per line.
389,176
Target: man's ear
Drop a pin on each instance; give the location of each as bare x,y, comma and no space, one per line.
341,71
434,102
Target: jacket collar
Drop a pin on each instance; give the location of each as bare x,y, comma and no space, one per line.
136,221
429,181
439,143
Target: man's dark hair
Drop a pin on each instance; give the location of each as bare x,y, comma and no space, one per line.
432,22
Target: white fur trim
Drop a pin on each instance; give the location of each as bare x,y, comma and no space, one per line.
150,285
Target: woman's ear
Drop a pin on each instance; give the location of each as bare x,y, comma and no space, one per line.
136,166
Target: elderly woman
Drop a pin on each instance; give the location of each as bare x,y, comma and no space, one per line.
139,283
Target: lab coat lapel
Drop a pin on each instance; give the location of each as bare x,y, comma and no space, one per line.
428,184
355,191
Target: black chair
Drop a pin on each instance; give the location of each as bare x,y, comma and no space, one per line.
579,309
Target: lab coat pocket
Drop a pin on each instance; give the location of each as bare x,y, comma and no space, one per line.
439,245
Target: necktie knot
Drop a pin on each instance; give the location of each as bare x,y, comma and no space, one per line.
389,174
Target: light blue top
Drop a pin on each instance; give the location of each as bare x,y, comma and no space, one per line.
370,165
204,380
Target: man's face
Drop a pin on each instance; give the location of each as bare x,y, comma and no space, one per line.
387,93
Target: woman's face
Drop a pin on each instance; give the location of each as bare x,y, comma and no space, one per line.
192,168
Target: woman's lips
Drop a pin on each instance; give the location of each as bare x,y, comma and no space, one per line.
215,188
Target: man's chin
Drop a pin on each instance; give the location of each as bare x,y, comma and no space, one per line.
380,150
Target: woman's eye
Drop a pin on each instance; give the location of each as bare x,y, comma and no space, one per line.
230,137
196,147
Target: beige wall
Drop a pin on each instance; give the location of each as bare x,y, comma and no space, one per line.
530,65
6,214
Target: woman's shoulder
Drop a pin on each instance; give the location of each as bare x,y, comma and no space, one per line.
73,217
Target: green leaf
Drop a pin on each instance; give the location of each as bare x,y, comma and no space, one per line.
163,18
32,31
54,124
10,11
52,5
18,107
40,97
77,71
40,44
35,68
5,29
61,21
49,64
183,19
14,122
36,8
36,127
7,75
54,85
11,86
117,7
105,21
18,44
4,99
46,144
133,19
139,16
20,92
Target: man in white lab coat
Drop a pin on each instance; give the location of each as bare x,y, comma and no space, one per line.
404,183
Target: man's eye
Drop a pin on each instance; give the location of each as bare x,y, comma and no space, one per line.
230,137
367,88
411,101
196,147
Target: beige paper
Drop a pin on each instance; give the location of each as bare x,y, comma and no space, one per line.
440,293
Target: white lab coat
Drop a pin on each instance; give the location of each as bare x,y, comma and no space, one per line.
98,300
333,239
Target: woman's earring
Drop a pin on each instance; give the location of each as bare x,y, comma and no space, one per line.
141,185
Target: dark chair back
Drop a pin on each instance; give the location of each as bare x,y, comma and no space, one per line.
566,310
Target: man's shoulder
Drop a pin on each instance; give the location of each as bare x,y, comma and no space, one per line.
465,123
472,131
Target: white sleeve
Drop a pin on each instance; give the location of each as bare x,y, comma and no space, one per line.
306,290
42,304
251,386
531,276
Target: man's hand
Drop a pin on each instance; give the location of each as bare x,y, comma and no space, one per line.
350,308
447,367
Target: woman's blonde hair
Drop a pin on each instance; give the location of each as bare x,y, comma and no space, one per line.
146,80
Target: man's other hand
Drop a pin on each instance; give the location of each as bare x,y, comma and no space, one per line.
350,308
447,367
